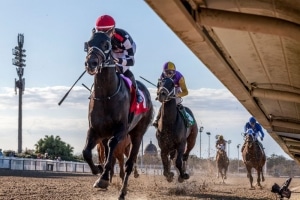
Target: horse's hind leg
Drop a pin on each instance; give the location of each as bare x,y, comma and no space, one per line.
190,141
136,139
112,171
91,142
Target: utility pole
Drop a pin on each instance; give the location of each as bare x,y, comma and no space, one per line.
200,131
208,133
18,61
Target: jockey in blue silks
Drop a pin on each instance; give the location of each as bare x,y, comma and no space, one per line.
257,131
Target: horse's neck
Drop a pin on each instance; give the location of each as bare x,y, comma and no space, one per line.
169,111
106,82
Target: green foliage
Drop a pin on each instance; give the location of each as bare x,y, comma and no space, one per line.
54,147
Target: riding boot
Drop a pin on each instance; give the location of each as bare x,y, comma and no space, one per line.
130,75
155,123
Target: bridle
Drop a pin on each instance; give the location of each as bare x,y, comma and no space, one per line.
103,56
170,93
106,62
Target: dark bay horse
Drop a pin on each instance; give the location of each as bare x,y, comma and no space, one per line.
222,164
113,111
121,150
174,138
253,157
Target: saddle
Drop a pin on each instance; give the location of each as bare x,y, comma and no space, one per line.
187,118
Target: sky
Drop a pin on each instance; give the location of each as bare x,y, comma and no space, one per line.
54,35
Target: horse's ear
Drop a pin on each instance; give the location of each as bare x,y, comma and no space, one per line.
86,47
108,47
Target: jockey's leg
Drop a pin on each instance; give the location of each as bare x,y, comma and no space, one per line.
130,75
185,114
155,123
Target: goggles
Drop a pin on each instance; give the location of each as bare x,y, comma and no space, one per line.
169,73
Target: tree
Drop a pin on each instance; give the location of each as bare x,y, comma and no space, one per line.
55,147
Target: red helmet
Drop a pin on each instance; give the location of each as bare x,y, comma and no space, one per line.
105,23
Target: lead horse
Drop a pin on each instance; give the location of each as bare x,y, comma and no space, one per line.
253,157
174,138
113,111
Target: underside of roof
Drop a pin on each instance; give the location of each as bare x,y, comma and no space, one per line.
253,48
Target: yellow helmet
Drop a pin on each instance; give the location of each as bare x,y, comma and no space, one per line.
169,69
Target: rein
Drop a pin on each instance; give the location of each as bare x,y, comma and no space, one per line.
99,53
171,95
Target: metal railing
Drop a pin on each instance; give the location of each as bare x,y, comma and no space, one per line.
43,165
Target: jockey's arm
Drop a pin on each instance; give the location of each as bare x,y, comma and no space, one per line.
184,90
259,128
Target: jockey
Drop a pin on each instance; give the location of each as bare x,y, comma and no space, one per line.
169,71
123,48
221,144
254,128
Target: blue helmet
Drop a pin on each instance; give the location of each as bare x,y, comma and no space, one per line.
252,120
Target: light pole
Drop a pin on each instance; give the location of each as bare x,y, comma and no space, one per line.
19,61
238,148
208,133
229,142
200,131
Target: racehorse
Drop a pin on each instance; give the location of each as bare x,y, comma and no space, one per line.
113,111
253,157
222,164
174,137
123,148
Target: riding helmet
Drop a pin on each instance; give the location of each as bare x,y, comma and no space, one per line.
169,66
252,120
105,23
221,137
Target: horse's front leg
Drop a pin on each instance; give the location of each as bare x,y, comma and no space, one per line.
91,142
179,164
103,181
166,165
249,175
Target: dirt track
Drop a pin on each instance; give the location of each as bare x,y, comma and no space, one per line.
16,185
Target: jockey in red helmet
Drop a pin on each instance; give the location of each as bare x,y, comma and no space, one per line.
123,47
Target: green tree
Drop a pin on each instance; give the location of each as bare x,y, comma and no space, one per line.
55,147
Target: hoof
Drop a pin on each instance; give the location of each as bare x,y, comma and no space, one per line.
186,176
136,175
169,179
180,180
100,183
225,177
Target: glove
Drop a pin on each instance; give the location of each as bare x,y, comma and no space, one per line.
261,138
118,60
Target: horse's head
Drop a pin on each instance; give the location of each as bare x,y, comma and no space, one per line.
165,90
98,48
249,140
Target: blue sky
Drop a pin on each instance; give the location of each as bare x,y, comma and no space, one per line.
55,32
